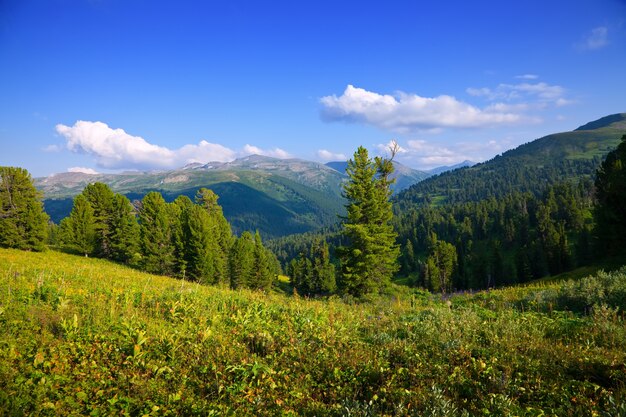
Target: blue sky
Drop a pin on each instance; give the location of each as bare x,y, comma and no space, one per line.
108,85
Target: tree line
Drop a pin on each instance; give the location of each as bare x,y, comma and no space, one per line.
184,239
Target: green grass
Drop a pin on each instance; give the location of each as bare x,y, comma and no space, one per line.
86,337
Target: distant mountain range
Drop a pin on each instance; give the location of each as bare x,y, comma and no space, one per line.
276,196
286,196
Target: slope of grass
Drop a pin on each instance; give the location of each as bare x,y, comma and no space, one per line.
87,337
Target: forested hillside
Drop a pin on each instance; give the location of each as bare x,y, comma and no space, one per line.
520,216
528,168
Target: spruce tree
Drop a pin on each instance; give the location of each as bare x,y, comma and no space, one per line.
205,261
370,259
23,223
100,197
124,230
610,210
155,227
221,231
241,262
263,272
78,231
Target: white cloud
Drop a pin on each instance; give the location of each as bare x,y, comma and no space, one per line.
427,155
522,97
83,170
325,155
527,76
114,148
275,153
596,39
405,112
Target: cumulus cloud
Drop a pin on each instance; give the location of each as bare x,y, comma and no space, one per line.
596,39
275,153
405,112
83,170
326,155
114,148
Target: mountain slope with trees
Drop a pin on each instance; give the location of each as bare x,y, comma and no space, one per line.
528,168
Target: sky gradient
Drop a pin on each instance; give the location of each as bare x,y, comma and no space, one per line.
106,85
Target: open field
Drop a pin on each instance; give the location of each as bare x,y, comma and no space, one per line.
88,337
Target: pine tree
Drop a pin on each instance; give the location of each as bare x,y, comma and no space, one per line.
23,223
178,218
370,259
610,210
78,231
262,272
322,279
241,262
100,197
441,264
221,231
205,260
124,230
155,227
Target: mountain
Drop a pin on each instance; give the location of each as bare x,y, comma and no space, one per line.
530,167
445,168
275,196
405,176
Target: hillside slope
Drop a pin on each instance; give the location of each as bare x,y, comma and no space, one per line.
87,337
529,167
275,196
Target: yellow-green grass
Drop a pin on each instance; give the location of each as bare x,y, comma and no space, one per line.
87,337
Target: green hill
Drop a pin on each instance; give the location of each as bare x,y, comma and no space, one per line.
528,168
87,337
275,196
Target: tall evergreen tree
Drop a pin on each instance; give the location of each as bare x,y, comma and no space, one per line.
221,231
124,230
100,197
178,213
205,260
263,272
241,262
155,227
370,259
23,223
610,210
78,231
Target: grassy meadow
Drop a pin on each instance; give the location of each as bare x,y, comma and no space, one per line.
88,337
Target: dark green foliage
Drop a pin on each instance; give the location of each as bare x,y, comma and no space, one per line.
241,262
313,274
23,223
440,265
100,197
156,239
124,230
220,231
502,241
370,258
78,232
204,258
263,270
610,212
